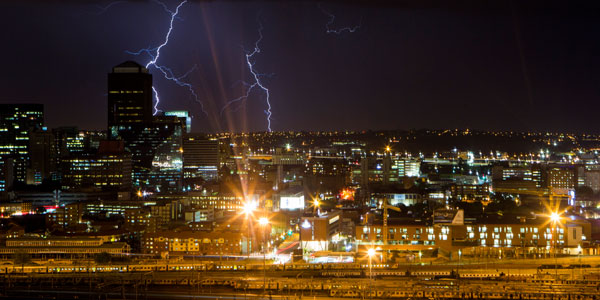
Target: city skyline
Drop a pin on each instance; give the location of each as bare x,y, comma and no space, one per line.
494,66
412,149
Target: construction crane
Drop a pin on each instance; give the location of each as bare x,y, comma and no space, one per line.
386,206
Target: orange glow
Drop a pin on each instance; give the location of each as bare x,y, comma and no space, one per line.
347,194
554,217
371,252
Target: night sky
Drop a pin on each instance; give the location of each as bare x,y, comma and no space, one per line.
412,64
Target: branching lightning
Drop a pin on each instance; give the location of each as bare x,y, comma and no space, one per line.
103,9
257,80
338,31
154,54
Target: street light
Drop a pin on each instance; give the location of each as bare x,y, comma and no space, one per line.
555,218
249,208
263,222
371,252
316,205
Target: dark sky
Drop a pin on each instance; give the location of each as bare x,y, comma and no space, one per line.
498,65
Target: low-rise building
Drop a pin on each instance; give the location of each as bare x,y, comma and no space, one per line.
61,247
194,242
508,237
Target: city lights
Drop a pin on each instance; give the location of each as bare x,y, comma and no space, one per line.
108,189
555,217
371,252
249,207
263,221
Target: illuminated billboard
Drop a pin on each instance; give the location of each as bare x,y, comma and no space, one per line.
292,202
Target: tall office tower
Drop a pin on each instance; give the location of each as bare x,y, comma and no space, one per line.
155,143
129,96
42,154
16,122
200,157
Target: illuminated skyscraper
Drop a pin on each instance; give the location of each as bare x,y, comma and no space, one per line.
16,122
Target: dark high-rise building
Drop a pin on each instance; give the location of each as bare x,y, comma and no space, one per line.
129,95
16,122
155,143
42,154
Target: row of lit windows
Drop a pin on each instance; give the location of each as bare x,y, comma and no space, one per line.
126,92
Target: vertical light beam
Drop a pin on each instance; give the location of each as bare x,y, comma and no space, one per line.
250,61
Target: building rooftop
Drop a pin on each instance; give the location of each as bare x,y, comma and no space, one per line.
129,67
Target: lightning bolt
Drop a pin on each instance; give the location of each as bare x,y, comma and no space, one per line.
154,54
103,9
338,31
257,79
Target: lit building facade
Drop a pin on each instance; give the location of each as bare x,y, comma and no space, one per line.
62,247
109,169
16,122
526,237
561,177
200,157
317,232
218,201
157,158
194,242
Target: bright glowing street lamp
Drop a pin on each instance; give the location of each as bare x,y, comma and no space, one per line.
371,252
263,221
249,207
316,205
555,218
